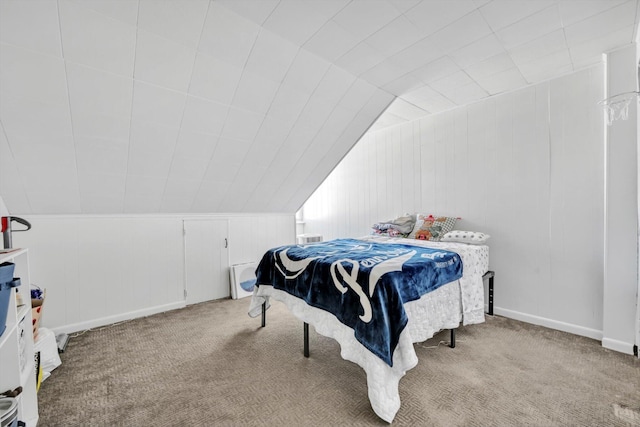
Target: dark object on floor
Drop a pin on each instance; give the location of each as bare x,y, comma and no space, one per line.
12,393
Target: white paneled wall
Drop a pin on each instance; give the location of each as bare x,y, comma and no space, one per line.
251,235
526,167
102,269
621,233
3,208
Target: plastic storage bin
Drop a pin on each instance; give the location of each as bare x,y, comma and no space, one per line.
6,272
7,283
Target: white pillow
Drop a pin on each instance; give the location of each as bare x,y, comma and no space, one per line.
470,237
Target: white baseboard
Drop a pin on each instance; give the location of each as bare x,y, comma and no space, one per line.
94,323
608,343
550,323
615,345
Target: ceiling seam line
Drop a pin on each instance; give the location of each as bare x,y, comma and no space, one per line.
345,154
424,38
66,78
184,108
271,104
133,94
322,127
266,114
4,132
296,120
233,97
300,47
270,13
325,23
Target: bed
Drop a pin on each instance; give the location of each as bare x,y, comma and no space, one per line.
448,276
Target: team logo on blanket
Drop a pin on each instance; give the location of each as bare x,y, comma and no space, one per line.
377,271
346,270
292,268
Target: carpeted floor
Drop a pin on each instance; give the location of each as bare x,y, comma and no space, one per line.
211,365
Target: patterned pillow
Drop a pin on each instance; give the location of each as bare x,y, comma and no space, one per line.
416,227
434,227
470,237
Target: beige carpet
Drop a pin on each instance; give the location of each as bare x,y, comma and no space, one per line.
212,365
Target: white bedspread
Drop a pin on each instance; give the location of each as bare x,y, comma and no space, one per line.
475,262
444,308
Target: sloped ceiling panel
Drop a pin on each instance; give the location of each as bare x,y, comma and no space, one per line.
166,106
143,106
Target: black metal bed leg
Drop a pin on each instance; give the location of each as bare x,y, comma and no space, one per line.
491,295
452,343
490,275
264,314
306,339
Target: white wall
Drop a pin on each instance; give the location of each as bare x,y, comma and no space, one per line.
526,167
621,229
251,235
102,269
3,208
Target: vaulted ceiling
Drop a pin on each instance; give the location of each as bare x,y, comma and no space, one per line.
146,106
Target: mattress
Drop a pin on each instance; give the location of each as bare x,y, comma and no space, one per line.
477,255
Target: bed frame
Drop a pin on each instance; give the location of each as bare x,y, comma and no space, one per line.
489,275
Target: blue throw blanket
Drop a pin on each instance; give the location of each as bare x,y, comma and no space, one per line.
363,284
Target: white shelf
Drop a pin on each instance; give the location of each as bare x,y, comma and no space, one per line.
9,256
13,371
